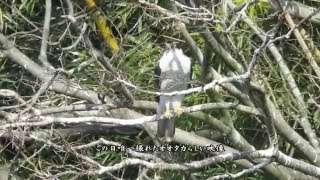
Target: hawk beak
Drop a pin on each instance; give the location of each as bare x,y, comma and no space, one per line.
174,45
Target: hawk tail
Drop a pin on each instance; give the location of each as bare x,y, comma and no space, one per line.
166,128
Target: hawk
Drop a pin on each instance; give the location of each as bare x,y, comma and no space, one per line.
173,73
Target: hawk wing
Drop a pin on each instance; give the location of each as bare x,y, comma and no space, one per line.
157,72
172,74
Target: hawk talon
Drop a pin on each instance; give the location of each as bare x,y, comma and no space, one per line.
179,111
168,114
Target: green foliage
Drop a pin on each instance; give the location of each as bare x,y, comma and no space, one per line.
31,7
257,10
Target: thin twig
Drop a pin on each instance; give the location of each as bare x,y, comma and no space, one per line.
45,36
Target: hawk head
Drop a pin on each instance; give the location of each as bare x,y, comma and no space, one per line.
170,46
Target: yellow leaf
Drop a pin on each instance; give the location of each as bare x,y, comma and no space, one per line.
104,28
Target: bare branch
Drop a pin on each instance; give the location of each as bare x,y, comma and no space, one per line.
45,36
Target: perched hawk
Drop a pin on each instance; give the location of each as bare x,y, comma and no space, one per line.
173,73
